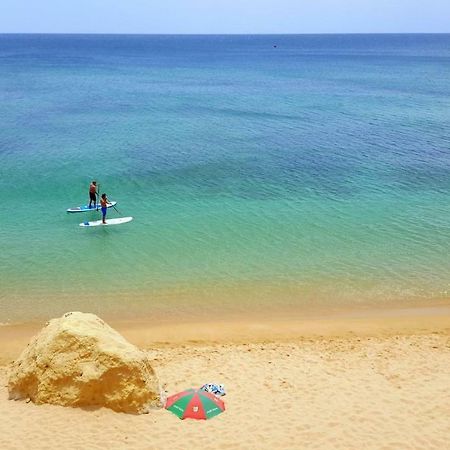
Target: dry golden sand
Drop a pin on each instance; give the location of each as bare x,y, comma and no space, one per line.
358,383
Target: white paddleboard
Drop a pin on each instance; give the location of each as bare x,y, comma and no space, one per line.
116,221
86,208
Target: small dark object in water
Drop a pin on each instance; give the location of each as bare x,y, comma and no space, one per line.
274,46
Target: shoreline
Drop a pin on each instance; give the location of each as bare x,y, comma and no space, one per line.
207,301
237,329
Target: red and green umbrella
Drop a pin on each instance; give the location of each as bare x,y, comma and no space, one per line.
195,404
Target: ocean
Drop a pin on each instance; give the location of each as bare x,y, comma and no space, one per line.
264,173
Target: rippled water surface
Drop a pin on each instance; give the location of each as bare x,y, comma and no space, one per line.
261,172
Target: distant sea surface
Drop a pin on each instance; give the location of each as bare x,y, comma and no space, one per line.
264,173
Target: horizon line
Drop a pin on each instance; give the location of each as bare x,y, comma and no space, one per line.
224,34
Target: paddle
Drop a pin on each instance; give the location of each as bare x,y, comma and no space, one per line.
116,209
98,197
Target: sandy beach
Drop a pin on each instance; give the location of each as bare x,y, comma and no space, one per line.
363,381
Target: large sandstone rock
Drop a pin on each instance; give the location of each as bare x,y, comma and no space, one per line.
79,360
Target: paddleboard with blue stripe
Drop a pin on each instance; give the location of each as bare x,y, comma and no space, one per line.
85,208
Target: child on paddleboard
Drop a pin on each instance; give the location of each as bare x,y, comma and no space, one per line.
104,203
93,194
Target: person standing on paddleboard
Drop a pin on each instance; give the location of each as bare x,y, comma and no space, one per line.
93,194
104,202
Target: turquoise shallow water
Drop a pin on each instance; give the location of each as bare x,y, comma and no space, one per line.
311,174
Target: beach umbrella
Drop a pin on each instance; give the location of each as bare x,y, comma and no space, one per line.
195,404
